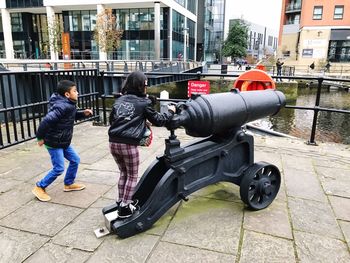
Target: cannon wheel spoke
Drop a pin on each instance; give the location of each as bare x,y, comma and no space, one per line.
259,185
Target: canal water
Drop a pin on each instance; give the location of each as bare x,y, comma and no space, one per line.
331,126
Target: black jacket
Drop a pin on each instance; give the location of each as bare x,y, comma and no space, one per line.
128,119
57,126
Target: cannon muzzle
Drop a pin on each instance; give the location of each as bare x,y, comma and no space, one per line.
206,115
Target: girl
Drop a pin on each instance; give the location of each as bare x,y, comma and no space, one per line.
128,125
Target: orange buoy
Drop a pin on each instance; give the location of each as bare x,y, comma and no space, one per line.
254,79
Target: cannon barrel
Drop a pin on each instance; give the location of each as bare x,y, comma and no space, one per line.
206,115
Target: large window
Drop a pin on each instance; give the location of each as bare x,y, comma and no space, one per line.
16,22
339,50
23,3
318,11
192,6
338,12
1,29
2,49
82,20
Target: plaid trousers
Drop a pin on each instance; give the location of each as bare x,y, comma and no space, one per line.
127,158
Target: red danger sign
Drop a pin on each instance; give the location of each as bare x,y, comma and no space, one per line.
197,87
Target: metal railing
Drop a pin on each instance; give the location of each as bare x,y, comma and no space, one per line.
315,108
108,65
24,95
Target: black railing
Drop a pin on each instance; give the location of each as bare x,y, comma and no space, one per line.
24,96
316,108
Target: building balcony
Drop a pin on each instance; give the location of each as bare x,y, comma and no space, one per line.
293,8
291,28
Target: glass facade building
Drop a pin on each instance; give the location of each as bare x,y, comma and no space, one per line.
178,29
210,33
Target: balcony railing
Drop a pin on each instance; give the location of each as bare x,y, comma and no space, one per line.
295,7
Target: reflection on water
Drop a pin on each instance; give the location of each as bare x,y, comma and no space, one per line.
331,127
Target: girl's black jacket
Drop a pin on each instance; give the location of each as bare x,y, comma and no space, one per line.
56,128
128,119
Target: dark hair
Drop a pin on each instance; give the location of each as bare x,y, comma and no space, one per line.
135,84
64,86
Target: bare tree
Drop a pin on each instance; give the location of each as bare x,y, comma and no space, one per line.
106,33
54,30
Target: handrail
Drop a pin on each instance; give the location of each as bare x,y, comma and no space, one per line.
14,107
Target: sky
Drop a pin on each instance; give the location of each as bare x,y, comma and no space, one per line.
262,12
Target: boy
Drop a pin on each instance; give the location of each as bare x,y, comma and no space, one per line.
56,131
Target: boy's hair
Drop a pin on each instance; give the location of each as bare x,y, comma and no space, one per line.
135,84
64,86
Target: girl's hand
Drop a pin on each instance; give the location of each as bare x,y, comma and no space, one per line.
88,112
40,142
172,108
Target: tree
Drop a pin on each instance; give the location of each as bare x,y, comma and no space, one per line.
54,31
236,43
106,33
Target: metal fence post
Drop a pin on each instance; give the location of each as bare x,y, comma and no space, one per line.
316,110
103,97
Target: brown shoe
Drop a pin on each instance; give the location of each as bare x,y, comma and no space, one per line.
73,187
41,194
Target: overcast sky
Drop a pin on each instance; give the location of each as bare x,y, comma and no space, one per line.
261,12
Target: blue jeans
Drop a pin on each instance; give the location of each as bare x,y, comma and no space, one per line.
57,160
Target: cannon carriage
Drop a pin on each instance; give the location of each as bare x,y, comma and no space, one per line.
225,152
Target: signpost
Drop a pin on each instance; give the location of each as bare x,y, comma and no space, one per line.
66,49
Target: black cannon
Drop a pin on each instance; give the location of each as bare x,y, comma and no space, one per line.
225,154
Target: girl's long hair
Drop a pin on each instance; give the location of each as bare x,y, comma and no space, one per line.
135,84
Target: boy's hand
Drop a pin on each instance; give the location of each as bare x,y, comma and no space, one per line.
40,142
88,112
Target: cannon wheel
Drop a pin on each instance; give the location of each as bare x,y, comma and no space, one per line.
260,185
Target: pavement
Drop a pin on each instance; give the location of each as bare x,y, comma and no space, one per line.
309,221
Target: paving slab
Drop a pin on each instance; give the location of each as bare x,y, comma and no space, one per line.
51,253
273,220
220,191
319,248
8,184
82,199
15,198
16,246
42,218
263,248
341,207
168,252
82,228
345,226
335,181
105,164
303,184
313,217
98,177
133,249
297,163
196,224
308,218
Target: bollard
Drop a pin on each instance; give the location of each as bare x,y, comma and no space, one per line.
163,104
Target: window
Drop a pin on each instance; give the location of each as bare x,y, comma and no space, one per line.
318,10
270,40
16,22
286,53
338,12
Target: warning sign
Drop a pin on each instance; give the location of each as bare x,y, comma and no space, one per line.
197,87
